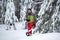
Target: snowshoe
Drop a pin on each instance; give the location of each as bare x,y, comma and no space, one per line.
27,33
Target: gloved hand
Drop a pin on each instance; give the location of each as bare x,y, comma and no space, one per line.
27,19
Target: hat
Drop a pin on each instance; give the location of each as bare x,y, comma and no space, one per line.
29,9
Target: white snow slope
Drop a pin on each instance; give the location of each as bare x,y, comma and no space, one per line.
19,34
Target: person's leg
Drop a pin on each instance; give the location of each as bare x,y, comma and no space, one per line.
30,25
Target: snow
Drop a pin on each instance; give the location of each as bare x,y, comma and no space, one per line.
19,34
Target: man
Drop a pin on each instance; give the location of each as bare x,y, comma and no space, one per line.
31,21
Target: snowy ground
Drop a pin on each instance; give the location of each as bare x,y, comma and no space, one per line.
19,34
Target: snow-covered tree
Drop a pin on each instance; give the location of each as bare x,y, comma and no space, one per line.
48,17
10,12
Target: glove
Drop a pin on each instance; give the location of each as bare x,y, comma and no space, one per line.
27,20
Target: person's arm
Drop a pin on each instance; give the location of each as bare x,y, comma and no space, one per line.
27,19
